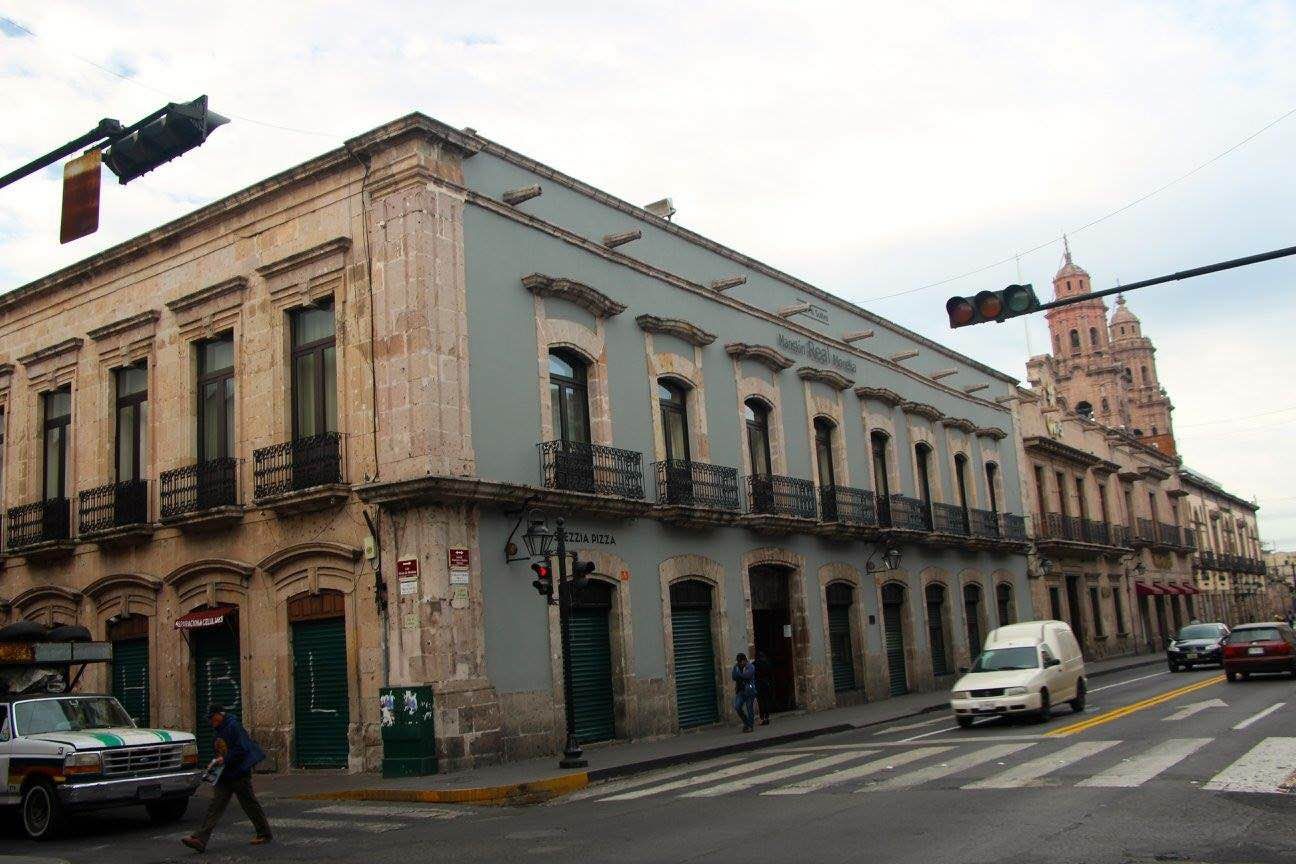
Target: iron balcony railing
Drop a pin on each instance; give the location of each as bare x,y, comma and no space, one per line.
949,519
575,466
1056,526
1119,535
848,506
113,505
1208,559
1012,527
697,484
776,495
297,465
1146,531
904,513
1094,531
38,522
983,523
202,486
1168,535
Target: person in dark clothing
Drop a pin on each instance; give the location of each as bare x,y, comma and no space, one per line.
239,754
744,678
764,686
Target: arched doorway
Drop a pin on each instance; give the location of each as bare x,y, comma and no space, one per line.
591,661
841,643
321,708
972,611
893,605
1004,599
695,663
130,666
772,632
217,675
936,611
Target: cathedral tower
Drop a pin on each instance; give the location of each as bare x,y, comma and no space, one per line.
1149,405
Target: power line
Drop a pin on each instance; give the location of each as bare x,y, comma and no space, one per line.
1235,419
1100,219
113,72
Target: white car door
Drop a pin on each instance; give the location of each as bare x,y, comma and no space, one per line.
1054,676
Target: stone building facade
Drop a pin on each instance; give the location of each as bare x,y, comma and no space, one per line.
279,451
1229,556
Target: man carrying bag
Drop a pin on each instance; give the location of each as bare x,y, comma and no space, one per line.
239,755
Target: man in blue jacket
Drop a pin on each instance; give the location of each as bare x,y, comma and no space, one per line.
238,755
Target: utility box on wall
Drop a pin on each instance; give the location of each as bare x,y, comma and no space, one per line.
408,733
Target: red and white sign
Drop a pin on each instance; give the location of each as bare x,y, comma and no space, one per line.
459,559
407,567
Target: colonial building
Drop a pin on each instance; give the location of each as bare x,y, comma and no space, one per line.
279,451
1228,542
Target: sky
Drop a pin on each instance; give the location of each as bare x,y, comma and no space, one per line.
874,149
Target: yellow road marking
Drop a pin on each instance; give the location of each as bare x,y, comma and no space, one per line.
1125,711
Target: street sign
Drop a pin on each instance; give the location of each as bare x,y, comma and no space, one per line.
407,567
80,196
458,558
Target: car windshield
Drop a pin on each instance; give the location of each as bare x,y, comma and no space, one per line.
71,714
1006,659
1255,634
1200,631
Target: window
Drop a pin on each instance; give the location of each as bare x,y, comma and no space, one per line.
1080,496
1093,337
674,415
960,477
1039,490
992,474
922,454
2,454
756,413
1129,506
1055,603
569,397
1004,598
1120,608
1075,341
1106,408
1122,330
936,629
57,410
1102,502
314,372
1068,284
972,615
1057,344
216,399
1154,430
132,421
1152,506
1084,409
880,479
1061,490
1143,373
1095,607
823,428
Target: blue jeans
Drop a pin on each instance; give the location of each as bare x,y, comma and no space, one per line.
743,704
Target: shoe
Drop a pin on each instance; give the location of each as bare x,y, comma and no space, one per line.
261,839
194,843
764,723
747,728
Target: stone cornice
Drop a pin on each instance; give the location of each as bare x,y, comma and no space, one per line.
1103,466
880,394
1153,472
398,494
590,299
990,432
140,321
6,369
762,354
335,246
1057,450
922,409
680,329
835,380
69,345
234,285
960,424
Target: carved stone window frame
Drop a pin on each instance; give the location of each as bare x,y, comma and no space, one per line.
202,316
667,365
590,345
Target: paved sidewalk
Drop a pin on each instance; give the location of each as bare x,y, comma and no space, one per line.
539,779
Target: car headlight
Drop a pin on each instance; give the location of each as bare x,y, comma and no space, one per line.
79,764
959,694
189,753
1015,691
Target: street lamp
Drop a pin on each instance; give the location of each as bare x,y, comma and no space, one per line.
538,538
890,560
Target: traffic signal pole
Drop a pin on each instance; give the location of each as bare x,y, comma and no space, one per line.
573,756
107,129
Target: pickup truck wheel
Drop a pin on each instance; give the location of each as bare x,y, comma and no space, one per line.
42,812
171,810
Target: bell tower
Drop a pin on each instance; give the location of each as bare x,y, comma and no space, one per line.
1150,407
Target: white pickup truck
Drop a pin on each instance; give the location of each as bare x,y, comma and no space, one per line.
63,752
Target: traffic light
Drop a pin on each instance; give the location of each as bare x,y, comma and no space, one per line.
179,128
580,571
991,306
543,582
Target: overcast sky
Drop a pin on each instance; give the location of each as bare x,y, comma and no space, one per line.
868,148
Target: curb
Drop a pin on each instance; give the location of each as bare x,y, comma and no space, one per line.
538,791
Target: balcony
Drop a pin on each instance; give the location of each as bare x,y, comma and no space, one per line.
575,466
299,476
696,493
949,519
1012,528
778,504
1120,536
1208,561
1075,534
984,524
1168,535
115,514
201,496
902,513
40,530
1094,531
1144,533
847,511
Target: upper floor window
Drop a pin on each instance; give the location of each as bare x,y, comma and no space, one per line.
878,440
1062,495
569,396
1143,373
922,454
132,421
756,414
216,399
1106,408
1039,490
1102,502
824,428
314,372
2,453
1080,498
1093,336
992,475
1152,505
960,477
1057,343
56,420
1075,340
674,415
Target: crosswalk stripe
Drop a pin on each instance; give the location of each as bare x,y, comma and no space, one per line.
857,772
608,788
700,779
1256,717
1264,768
945,769
1143,767
778,774
406,812
337,824
1030,773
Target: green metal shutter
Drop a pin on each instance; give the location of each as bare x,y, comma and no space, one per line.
130,678
895,648
695,682
591,674
216,681
839,642
320,710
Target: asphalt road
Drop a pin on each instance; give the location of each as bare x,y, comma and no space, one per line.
1160,767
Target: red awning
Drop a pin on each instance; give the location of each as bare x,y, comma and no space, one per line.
1145,589
1167,588
1188,589
204,618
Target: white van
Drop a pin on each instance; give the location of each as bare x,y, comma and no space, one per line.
1023,668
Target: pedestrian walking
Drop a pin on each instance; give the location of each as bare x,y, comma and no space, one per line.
764,686
237,755
744,677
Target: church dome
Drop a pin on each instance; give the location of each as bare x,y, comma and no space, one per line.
1123,314
1069,268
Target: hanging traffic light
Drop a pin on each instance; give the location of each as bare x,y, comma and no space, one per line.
178,128
543,582
991,306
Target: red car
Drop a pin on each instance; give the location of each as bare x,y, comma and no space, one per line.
1260,647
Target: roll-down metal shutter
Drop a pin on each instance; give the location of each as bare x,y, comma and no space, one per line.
893,624
216,680
839,640
591,663
320,710
695,676
130,678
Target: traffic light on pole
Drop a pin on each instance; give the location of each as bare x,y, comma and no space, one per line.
543,582
179,128
992,306
580,571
